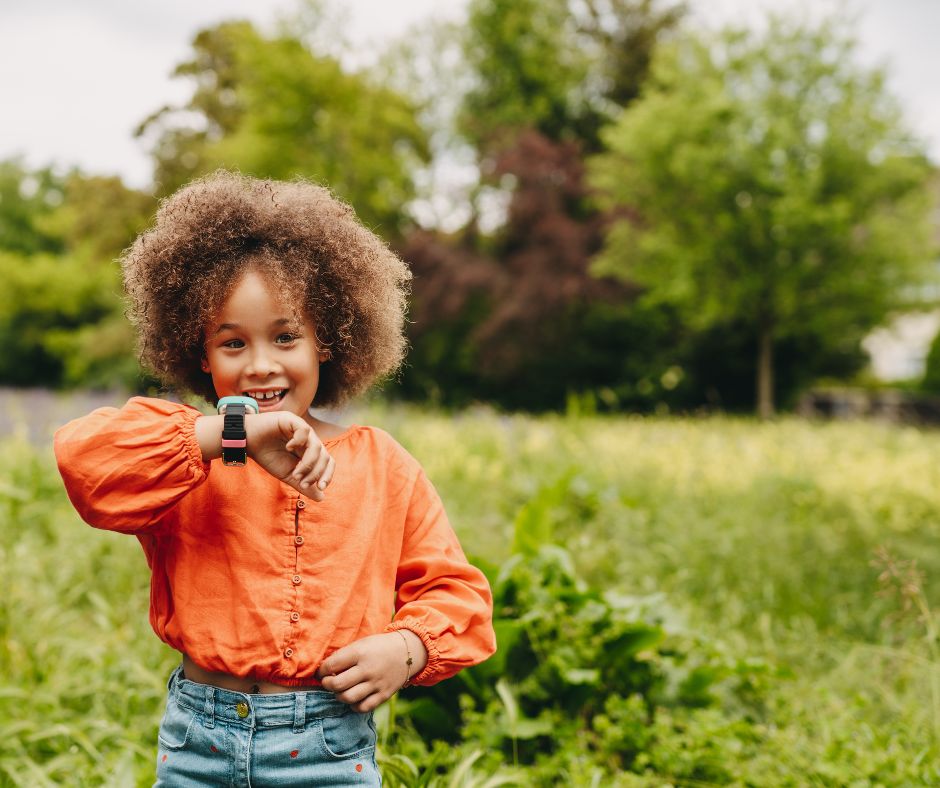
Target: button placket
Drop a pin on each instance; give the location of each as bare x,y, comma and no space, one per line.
296,579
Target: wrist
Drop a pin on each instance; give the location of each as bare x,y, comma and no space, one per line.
415,654
208,430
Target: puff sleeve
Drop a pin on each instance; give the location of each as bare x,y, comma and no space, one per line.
441,597
125,468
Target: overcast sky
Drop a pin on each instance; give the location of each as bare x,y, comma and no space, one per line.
77,77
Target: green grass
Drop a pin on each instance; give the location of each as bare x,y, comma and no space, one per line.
761,536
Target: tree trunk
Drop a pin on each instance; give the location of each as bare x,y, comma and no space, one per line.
765,373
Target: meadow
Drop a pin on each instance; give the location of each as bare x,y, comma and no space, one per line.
680,602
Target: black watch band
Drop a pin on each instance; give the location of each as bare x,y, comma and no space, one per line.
234,437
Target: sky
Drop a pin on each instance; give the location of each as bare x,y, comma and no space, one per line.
76,78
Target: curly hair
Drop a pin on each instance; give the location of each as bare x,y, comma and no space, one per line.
309,244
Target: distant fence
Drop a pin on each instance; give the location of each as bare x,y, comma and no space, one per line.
891,405
37,413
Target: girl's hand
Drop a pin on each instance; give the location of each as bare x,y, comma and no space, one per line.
289,449
367,672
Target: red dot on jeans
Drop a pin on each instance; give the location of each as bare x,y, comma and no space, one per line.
214,748
164,759
293,753
358,767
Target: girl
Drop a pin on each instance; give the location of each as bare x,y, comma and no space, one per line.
305,571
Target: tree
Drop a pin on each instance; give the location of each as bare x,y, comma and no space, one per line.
774,187
61,320
559,67
526,324
270,107
26,199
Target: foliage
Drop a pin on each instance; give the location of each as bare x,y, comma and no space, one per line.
712,618
271,107
774,187
931,379
599,50
62,321
527,309
25,199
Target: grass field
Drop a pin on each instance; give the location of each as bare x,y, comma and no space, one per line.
762,539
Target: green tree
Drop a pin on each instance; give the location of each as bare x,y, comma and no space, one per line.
560,67
767,181
26,199
61,317
270,107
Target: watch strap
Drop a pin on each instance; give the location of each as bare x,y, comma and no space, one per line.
234,436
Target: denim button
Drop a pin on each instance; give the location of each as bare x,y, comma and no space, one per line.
241,709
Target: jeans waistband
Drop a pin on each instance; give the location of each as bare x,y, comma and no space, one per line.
263,711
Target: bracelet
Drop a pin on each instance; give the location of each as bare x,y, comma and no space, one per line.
408,662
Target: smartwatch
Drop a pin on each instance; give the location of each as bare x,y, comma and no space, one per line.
234,437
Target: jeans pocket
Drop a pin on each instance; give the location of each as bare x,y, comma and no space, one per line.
176,725
347,735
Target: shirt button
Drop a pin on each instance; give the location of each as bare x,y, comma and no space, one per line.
295,616
295,580
298,540
288,652
301,504
241,709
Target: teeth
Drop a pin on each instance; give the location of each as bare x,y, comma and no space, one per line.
264,395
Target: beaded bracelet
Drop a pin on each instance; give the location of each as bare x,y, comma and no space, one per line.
408,662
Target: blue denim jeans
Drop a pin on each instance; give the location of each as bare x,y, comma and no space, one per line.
211,736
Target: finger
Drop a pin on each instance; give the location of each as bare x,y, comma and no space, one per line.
356,694
317,471
309,460
298,440
345,680
327,476
370,703
340,660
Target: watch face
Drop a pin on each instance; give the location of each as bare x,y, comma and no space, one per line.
251,405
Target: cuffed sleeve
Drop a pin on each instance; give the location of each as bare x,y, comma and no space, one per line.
125,468
442,598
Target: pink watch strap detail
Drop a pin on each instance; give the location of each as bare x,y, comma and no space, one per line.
230,444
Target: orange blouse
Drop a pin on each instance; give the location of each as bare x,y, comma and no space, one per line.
249,577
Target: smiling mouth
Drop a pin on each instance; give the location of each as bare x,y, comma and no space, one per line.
264,398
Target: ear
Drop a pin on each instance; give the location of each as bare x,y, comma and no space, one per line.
324,356
205,365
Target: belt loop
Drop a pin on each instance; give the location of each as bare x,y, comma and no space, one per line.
300,711
209,708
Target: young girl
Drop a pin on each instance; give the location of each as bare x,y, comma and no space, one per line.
305,571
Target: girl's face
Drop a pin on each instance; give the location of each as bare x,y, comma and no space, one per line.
256,347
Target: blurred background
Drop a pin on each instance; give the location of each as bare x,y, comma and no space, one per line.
608,205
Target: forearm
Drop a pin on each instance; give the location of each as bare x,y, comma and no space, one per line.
209,436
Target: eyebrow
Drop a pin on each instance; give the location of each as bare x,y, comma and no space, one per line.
235,326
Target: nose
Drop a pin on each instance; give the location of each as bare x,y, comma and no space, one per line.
261,365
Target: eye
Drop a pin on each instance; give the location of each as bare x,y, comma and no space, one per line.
234,344
286,338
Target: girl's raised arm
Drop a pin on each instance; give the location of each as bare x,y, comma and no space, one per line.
124,468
